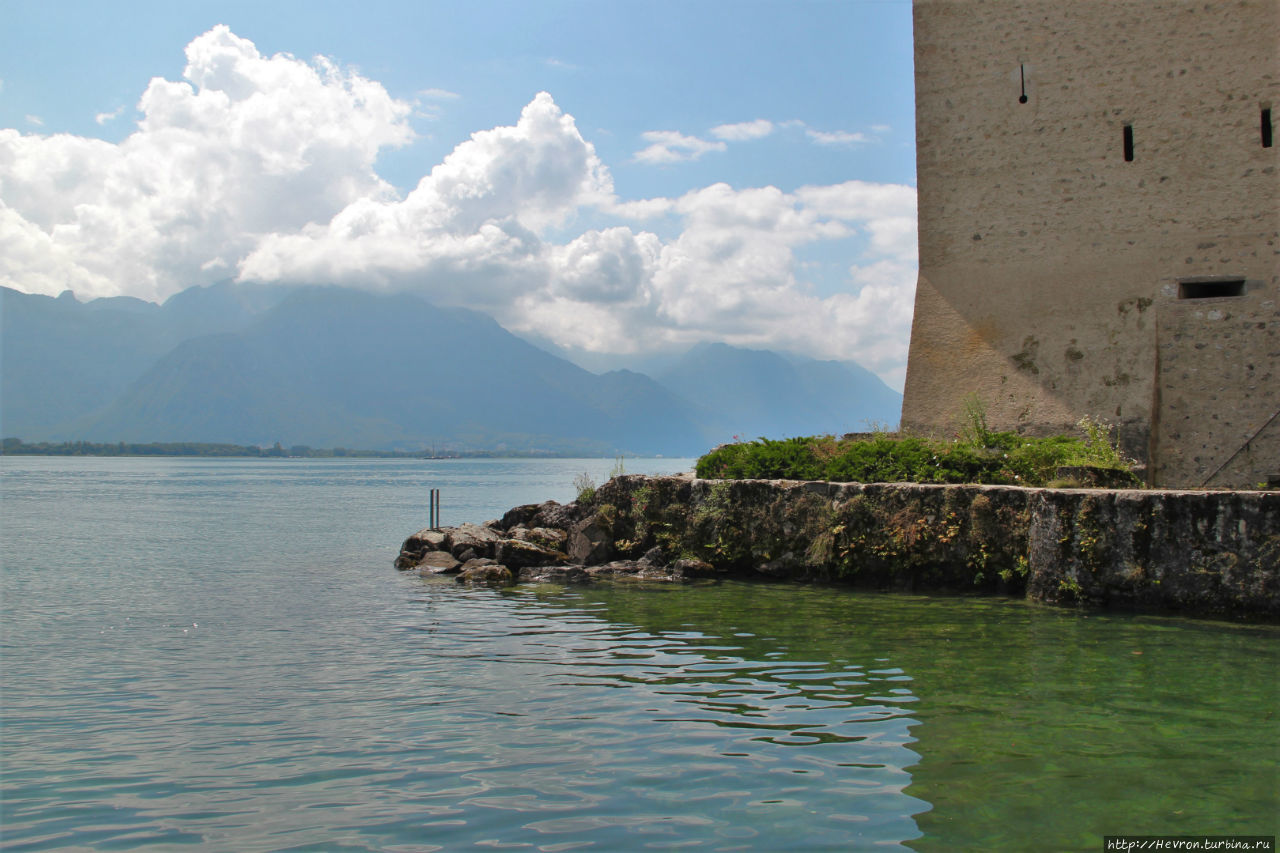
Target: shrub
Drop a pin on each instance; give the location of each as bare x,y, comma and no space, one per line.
980,455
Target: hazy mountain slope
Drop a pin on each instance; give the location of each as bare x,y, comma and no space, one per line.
752,393
61,360
341,367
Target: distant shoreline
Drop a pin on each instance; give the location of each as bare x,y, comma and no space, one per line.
16,447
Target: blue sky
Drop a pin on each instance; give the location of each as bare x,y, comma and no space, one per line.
643,175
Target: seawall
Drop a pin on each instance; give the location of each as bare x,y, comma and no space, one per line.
1209,553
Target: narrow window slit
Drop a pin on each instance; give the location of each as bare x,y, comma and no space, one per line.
1266,127
1193,289
1128,143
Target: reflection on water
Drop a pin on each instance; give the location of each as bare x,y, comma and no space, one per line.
1029,722
213,653
672,732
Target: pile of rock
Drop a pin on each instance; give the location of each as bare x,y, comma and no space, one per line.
536,542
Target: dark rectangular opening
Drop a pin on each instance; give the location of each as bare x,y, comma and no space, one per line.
1266,127
1128,143
1210,289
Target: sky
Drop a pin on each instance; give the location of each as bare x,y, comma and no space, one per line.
613,178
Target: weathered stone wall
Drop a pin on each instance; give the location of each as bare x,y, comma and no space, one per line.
1206,553
1218,408
1048,262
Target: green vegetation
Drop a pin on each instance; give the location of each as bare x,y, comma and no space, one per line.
977,455
585,487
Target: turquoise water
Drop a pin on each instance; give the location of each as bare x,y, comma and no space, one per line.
218,653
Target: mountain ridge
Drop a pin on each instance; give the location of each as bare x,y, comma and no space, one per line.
328,366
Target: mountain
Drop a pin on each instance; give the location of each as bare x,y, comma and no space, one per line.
750,393
332,367
61,359
326,367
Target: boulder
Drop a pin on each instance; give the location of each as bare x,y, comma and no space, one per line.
428,539
485,572
590,543
517,554
438,563
550,537
695,568
554,574
559,516
519,516
475,537
632,569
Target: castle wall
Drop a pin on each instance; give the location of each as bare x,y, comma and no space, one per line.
1050,266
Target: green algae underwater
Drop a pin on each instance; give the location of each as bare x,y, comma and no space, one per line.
1034,726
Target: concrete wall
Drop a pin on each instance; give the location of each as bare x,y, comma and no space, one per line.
1050,265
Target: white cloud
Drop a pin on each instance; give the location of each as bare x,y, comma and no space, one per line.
103,118
34,119
669,146
263,167
837,137
438,94
743,130
244,146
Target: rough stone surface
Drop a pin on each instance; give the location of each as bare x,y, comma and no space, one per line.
554,574
517,554
1053,271
428,539
1205,553
473,537
590,542
487,572
438,563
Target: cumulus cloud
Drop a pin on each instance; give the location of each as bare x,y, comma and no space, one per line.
669,146
743,130
243,146
264,168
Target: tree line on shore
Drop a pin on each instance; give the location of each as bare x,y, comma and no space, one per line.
16,447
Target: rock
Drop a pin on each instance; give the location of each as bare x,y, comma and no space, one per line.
485,572
475,537
494,524
589,543
632,569
561,517
695,568
438,563
554,574
519,516
517,554
548,537
655,556
428,539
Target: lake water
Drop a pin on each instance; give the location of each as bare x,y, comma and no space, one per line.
219,653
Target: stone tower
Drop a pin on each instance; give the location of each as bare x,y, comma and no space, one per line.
1100,226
